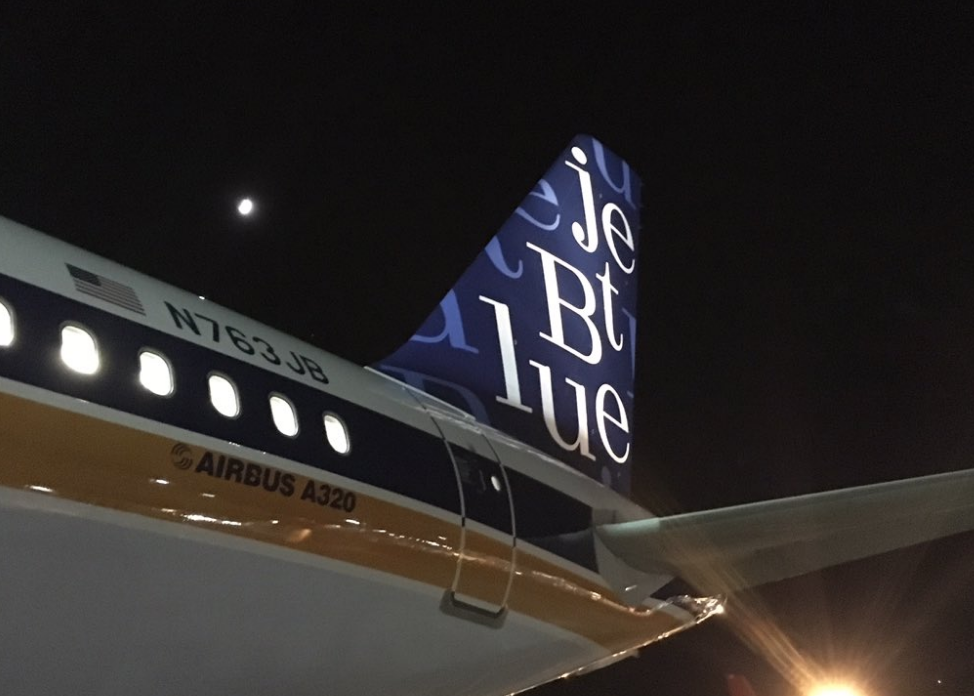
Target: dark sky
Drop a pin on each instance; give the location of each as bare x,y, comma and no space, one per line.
807,260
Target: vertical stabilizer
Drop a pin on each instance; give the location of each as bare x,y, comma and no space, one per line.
537,338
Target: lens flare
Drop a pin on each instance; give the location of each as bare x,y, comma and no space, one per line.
835,689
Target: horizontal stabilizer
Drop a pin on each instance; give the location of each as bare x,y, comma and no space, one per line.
736,547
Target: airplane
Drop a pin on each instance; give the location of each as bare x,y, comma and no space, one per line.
194,502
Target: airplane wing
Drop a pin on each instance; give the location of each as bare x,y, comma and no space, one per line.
733,548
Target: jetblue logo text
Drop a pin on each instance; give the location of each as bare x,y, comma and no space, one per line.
538,336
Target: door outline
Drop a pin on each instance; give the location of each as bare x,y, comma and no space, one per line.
458,425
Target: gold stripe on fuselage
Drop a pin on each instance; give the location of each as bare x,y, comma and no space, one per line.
90,460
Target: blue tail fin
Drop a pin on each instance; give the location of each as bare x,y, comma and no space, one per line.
537,338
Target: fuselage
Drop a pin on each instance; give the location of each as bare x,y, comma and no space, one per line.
151,543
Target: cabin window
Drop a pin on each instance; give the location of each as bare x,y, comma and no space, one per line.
285,417
155,373
79,350
6,325
337,434
223,396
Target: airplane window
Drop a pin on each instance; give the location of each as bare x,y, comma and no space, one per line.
6,326
155,374
79,350
337,434
284,415
223,396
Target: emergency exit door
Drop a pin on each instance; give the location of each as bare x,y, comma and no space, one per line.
486,564
486,558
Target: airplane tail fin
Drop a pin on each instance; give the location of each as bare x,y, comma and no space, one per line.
537,337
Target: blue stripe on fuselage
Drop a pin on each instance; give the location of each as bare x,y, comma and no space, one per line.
385,453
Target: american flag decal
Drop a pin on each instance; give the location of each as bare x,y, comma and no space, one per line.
104,289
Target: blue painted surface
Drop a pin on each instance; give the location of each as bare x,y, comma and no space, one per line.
537,338
385,453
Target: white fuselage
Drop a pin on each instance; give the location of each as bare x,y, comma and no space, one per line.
150,545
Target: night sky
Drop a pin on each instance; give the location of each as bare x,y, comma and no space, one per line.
807,260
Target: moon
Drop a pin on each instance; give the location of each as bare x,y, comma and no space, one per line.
245,207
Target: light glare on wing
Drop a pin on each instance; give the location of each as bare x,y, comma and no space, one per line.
746,545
